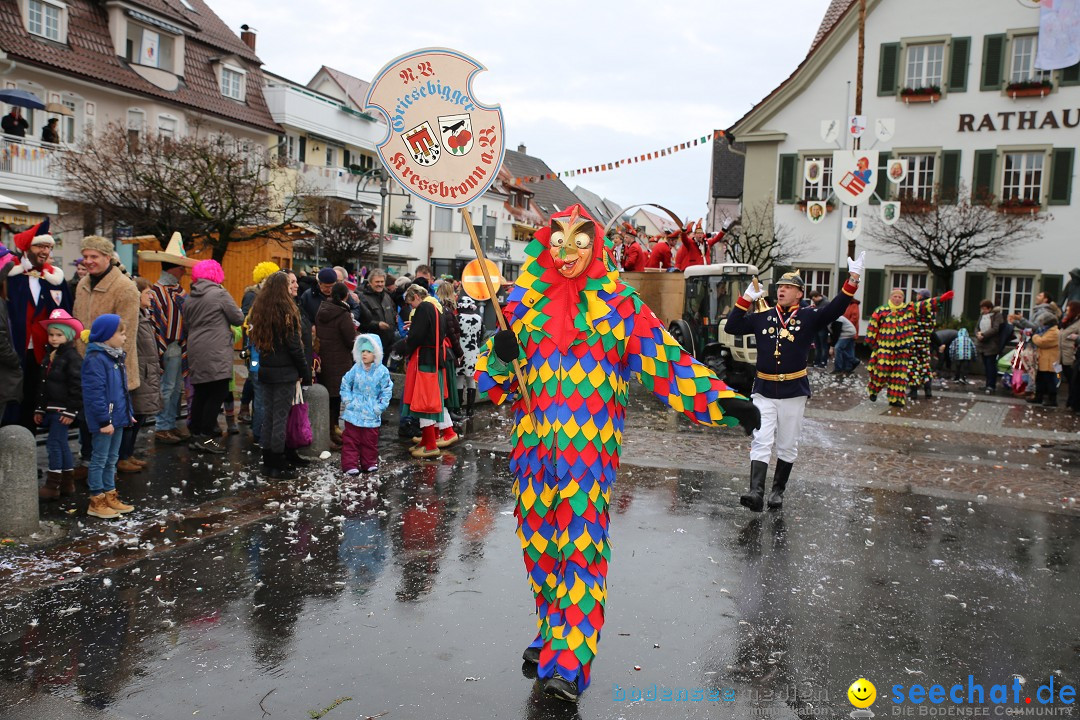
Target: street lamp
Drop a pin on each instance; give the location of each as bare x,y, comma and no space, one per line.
358,211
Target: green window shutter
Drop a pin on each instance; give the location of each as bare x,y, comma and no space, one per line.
785,189
1051,285
993,62
302,155
949,182
1061,172
1070,75
873,292
958,64
888,69
882,188
974,293
982,184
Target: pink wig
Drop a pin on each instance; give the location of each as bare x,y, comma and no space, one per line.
208,270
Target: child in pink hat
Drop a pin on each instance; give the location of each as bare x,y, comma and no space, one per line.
59,401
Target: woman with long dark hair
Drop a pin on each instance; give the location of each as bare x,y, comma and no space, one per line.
274,331
336,331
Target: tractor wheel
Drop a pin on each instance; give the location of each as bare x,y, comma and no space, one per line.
680,330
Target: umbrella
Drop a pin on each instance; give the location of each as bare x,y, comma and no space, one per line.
59,109
21,98
13,204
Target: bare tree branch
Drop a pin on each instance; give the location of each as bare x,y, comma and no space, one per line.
759,240
343,240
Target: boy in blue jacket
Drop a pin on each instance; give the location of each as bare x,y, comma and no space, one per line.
365,395
107,406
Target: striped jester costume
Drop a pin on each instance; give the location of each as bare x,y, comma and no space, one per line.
580,334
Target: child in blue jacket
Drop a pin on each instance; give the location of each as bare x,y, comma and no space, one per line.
108,410
365,395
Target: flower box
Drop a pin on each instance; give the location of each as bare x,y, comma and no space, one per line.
1019,209
1024,92
929,94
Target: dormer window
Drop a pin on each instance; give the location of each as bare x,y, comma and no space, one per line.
232,82
149,47
47,19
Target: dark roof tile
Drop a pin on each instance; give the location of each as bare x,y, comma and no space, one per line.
551,195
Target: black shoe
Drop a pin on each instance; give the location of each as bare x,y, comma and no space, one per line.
531,655
206,445
282,469
530,670
779,484
268,468
873,397
561,688
895,403
295,459
755,499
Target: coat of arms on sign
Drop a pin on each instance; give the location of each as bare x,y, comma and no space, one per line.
457,133
423,144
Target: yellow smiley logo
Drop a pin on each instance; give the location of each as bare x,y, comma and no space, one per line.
862,693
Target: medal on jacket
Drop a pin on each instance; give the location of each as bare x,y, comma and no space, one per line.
784,334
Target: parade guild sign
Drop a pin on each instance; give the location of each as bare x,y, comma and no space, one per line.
443,145
854,175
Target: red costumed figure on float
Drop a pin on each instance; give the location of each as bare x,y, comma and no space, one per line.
660,255
633,255
689,252
579,334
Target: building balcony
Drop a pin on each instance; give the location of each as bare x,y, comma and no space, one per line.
30,166
336,182
301,109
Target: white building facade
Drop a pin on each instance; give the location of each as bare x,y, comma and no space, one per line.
973,133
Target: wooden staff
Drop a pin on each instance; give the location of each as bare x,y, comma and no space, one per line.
522,387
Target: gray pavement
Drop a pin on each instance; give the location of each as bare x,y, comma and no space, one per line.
905,555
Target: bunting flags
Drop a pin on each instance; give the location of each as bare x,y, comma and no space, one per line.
606,167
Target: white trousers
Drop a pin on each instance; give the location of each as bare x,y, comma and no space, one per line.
781,425
443,423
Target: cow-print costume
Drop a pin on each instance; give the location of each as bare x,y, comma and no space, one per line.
471,321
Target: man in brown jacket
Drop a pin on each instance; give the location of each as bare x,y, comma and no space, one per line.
988,341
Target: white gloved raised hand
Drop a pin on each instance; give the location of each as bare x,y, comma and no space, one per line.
855,267
753,295
728,222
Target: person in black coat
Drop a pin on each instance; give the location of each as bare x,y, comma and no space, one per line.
59,401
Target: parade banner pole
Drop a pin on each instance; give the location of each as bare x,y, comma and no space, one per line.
495,302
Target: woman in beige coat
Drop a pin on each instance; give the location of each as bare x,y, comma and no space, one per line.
105,290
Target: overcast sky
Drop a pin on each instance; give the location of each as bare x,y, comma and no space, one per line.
579,83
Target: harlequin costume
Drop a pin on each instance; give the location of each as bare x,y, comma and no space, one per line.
892,333
781,388
579,334
921,373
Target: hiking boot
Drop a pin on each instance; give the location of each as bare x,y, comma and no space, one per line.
561,688
166,437
181,431
136,461
51,489
245,415
113,501
99,508
531,655
126,466
207,445
231,426
67,482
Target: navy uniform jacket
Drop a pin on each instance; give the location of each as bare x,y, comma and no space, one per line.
803,325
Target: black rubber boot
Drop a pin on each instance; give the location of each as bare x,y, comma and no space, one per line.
913,392
779,484
268,468
295,459
470,400
928,389
755,499
282,469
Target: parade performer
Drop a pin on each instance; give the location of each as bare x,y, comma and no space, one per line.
689,252
784,335
633,259
660,254
891,333
921,369
579,333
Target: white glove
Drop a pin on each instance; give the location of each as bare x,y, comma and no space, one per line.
855,267
754,295
728,222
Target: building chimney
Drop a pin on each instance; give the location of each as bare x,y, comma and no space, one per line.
521,149
247,34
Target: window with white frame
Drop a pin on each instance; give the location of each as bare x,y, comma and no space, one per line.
67,123
45,19
822,190
1014,293
331,157
136,121
919,183
166,127
232,83
444,219
1022,176
925,65
148,47
909,282
1022,68
817,280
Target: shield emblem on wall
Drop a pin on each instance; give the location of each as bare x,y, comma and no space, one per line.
813,172
890,212
457,133
854,175
852,228
815,211
897,170
856,125
423,144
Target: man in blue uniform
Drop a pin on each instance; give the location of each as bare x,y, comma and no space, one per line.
784,334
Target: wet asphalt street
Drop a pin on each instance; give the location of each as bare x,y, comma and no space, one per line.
404,596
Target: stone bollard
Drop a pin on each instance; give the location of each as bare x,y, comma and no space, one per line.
18,482
318,400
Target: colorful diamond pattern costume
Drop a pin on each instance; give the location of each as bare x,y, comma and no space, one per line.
893,333
580,341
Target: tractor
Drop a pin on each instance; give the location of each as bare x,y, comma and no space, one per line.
694,305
